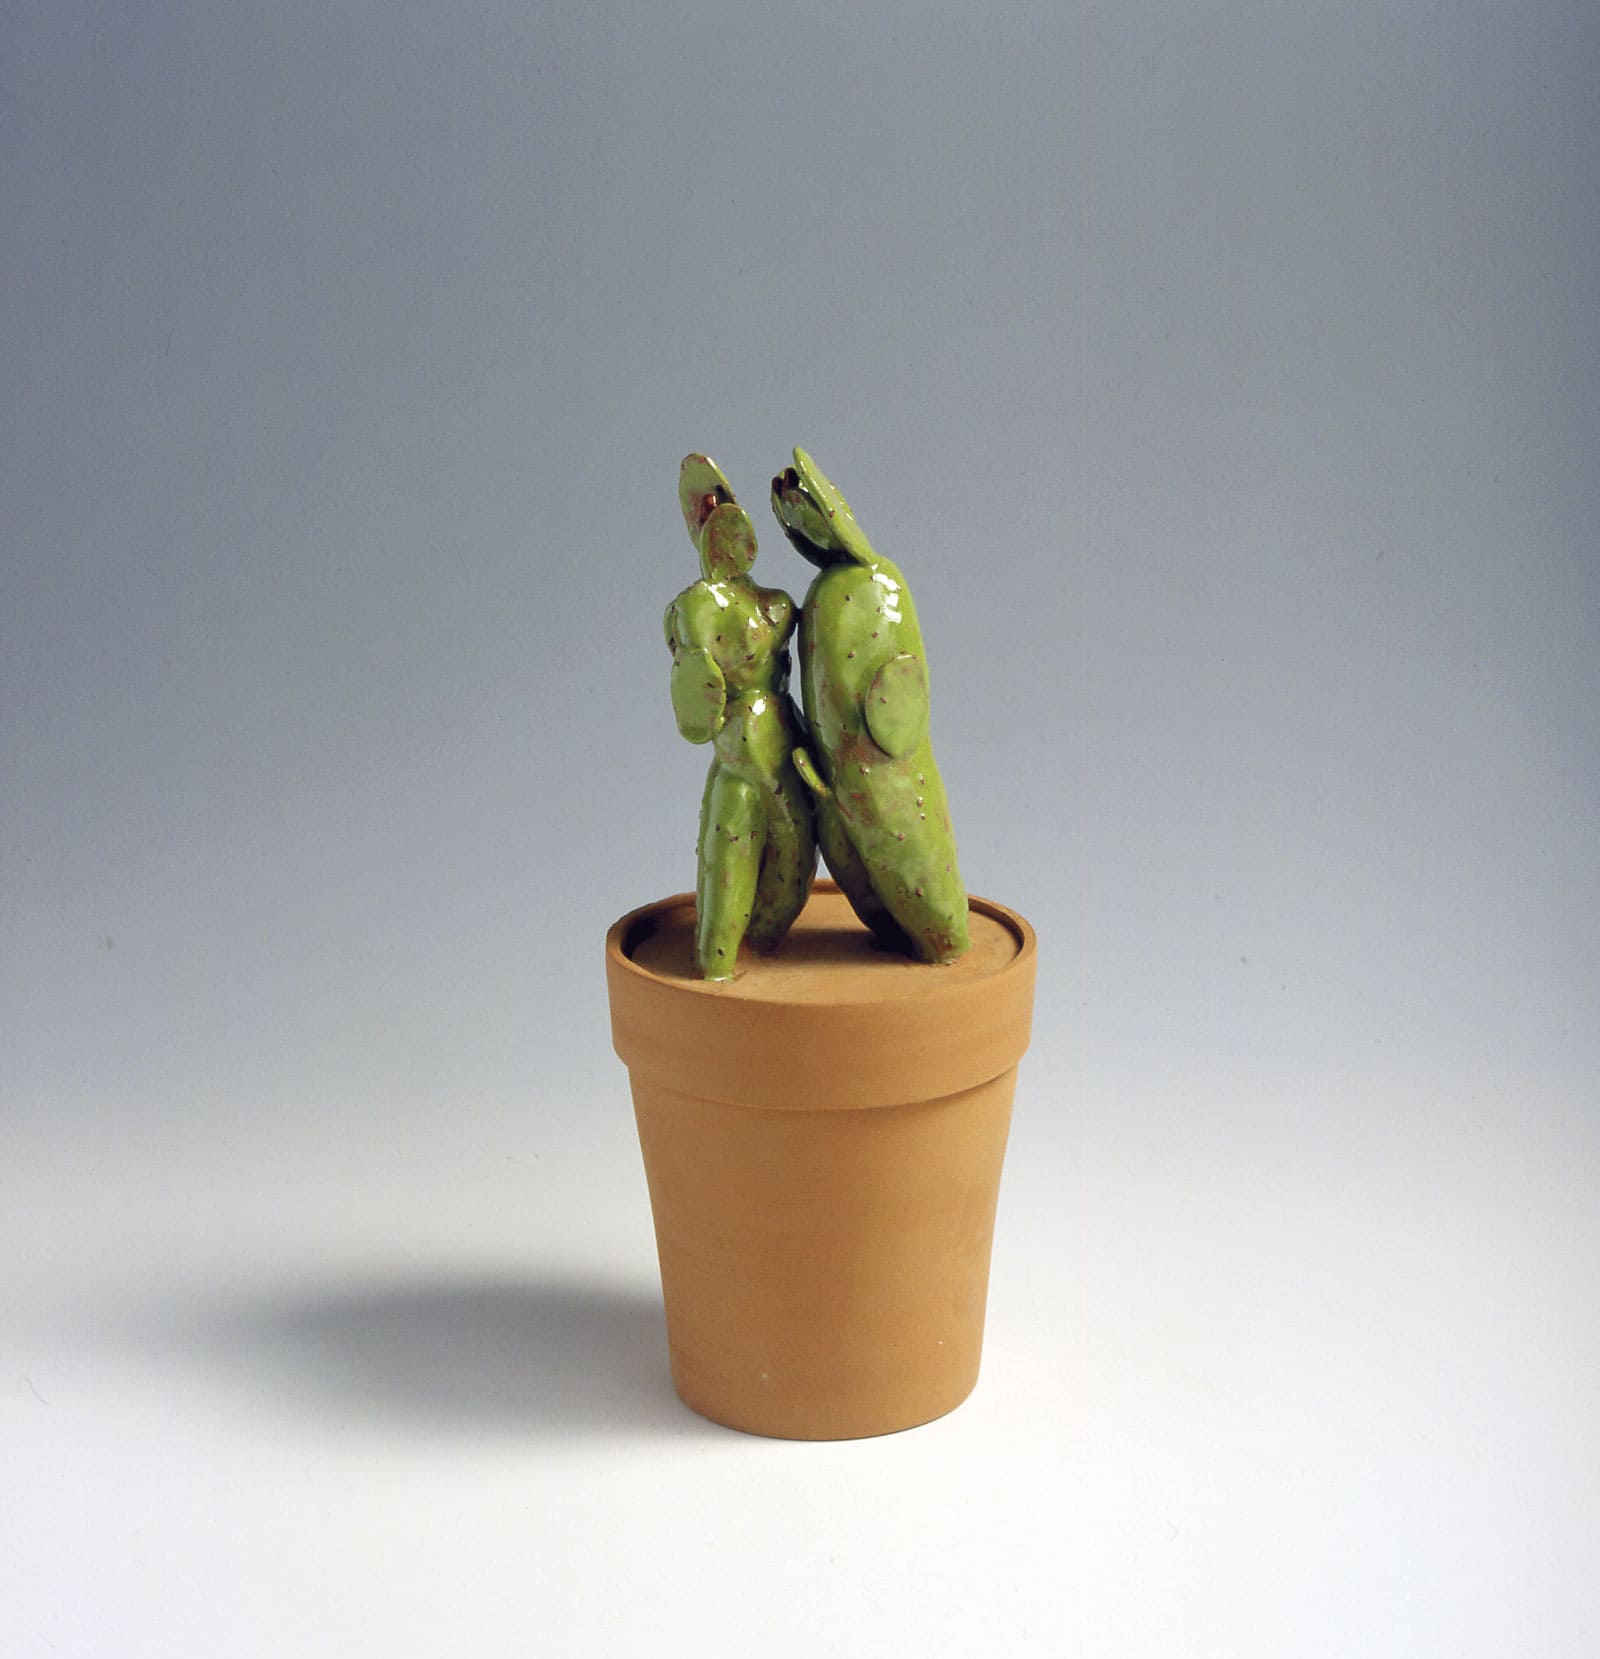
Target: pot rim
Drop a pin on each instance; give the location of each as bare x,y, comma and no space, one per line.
626,933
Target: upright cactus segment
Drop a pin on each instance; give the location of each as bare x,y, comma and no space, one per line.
882,819
730,671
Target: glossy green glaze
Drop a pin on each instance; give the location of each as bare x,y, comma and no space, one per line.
730,669
882,819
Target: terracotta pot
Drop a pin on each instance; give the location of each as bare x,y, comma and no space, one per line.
822,1138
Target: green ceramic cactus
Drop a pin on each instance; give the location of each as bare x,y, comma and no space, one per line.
730,668
882,819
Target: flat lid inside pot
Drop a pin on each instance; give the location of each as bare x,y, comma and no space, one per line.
829,957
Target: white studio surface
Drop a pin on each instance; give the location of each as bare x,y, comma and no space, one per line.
1252,1385
1224,383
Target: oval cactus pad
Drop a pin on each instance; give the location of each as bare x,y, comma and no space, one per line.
699,695
698,477
727,543
897,705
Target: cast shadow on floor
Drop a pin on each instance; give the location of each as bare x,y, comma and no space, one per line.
556,1358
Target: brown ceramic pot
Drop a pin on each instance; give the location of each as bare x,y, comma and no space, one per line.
822,1139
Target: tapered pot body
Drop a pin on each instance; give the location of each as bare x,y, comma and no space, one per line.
823,1139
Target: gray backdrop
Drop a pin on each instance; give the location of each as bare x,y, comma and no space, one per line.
1224,378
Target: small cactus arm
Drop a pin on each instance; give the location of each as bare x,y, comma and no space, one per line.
882,818
729,640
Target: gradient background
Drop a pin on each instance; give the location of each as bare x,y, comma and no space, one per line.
1224,377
